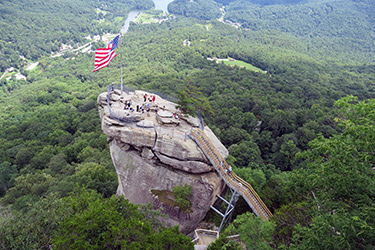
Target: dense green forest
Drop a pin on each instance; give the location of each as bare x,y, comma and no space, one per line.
341,29
302,134
201,9
31,28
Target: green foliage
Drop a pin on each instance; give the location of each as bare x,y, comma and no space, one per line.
182,194
338,182
255,177
96,177
341,29
7,175
201,9
247,154
39,28
185,103
36,184
254,232
171,238
85,220
287,218
97,223
192,100
337,231
224,243
51,138
32,229
345,159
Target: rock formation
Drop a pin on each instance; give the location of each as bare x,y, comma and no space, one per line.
152,154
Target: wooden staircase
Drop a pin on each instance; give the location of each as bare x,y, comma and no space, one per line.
231,179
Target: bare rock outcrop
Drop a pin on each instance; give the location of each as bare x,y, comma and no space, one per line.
152,154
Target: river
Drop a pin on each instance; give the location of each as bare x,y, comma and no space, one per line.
159,5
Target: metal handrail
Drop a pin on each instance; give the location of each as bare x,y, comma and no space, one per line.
232,180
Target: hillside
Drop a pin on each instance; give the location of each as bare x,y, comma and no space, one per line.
30,30
306,151
340,30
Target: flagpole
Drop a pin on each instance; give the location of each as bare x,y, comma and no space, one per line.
122,86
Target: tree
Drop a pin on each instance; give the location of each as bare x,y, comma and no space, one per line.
96,223
7,175
343,163
191,99
247,154
341,230
97,177
182,194
286,219
185,103
171,238
255,232
338,181
32,229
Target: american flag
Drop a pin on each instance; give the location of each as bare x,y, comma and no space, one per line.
103,56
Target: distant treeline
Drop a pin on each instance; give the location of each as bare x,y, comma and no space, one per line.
32,29
302,134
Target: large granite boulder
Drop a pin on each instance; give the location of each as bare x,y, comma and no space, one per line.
153,154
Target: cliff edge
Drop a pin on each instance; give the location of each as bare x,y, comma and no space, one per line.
152,154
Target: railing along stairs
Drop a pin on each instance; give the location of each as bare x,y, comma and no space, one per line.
231,179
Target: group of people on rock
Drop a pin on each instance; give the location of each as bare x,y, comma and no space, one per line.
144,106
148,103
128,106
150,98
147,106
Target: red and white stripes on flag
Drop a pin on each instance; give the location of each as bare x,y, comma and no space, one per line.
103,57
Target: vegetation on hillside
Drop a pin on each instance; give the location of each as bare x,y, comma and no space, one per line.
200,9
31,29
302,135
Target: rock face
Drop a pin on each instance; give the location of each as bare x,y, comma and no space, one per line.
152,154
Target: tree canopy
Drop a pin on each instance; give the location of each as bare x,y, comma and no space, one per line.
299,129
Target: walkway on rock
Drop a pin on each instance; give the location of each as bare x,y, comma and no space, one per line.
232,180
